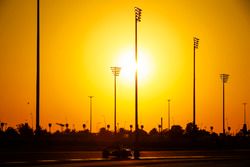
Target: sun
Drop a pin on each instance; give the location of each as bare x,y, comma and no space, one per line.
126,61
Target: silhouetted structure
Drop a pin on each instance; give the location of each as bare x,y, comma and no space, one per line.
142,126
108,126
38,71
90,109
176,138
84,126
196,42
50,125
168,113
25,130
211,129
67,126
244,129
131,127
2,125
61,125
137,19
160,127
224,78
161,124
116,72
229,130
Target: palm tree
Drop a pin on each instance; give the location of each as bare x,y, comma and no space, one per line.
2,125
211,129
142,126
108,126
50,125
131,127
229,129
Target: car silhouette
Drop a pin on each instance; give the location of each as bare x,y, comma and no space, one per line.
117,152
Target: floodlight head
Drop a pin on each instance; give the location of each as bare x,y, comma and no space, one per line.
196,42
116,70
138,14
224,77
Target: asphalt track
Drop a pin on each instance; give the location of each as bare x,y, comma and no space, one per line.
186,158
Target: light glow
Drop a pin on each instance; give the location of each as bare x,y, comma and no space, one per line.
127,62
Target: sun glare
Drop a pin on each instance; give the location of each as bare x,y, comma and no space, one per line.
127,62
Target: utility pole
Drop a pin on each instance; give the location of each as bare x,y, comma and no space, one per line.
168,114
90,109
245,122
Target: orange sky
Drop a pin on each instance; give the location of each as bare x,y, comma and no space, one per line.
82,39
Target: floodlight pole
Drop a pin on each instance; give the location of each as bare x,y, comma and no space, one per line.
116,72
137,19
245,122
244,104
196,42
38,71
90,109
168,114
224,78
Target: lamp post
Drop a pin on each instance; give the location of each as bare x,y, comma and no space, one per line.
245,122
38,71
196,43
137,19
90,109
116,72
161,124
169,114
50,125
224,78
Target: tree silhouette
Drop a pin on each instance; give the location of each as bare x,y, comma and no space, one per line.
191,129
67,130
176,131
103,132
84,126
2,125
50,125
153,132
11,132
123,132
211,129
229,129
131,127
142,126
108,126
25,130
142,132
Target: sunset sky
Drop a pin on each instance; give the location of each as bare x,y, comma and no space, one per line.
82,39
